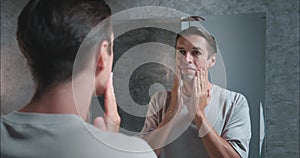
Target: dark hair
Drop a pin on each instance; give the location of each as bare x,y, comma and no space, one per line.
193,30
50,33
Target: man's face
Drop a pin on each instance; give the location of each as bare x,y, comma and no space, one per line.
191,55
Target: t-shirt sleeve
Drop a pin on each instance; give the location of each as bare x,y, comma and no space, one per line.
238,129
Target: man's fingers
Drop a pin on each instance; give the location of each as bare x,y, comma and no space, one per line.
176,82
111,116
201,80
196,84
110,104
112,123
100,123
106,124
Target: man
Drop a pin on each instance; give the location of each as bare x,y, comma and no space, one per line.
53,124
220,118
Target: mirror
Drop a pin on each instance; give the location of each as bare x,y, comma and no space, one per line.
144,64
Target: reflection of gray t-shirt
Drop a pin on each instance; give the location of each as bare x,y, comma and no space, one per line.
227,111
64,135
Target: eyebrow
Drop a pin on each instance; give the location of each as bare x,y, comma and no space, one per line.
179,48
198,48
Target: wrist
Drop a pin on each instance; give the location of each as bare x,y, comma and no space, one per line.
199,118
200,115
203,125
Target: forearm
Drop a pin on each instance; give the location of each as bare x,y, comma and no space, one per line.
158,138
215,145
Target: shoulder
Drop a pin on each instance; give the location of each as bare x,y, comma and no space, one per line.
121,143
229,95
158,99
160,95
231,100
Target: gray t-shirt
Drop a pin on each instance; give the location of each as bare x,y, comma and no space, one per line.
227,111
64,135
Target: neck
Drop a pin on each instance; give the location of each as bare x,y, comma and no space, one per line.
62,100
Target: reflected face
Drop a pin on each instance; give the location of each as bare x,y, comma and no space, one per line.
191,55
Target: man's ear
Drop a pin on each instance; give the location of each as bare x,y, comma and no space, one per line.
212,61
102,55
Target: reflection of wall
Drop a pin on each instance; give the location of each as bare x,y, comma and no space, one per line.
241,42
282,60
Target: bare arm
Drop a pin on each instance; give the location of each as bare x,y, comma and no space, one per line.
158,137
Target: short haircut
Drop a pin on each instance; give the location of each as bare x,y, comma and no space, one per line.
193,30
50,33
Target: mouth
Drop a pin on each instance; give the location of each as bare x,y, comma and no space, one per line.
187,69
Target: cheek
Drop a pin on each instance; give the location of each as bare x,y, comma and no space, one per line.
178,62
201,63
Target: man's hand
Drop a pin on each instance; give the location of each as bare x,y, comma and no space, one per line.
201,96
174,106
111,119
201,89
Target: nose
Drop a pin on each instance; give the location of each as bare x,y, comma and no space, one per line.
189,58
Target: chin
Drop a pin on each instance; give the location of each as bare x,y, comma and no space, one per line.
188,77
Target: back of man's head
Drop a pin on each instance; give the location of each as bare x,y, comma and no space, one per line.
50,33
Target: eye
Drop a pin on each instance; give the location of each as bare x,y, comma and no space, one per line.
181,51
196,53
